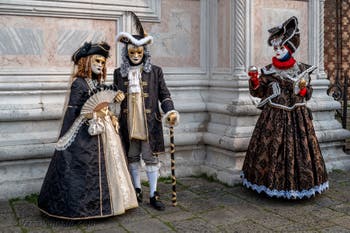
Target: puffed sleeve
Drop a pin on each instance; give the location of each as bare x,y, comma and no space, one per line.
76,101
259,91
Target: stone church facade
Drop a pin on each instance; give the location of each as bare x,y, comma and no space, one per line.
204,48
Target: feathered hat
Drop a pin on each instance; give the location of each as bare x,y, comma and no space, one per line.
286,34
88,48
140,38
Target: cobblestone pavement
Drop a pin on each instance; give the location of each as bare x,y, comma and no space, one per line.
203,206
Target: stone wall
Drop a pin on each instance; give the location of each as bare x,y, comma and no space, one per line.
204,47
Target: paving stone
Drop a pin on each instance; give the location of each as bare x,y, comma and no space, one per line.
33,221
203,207
164,192
227,200
62,225
271,220
5,208
168,208
179,186
339,194
186,196
67,231
199,205
293,227
342,221
10,230
326,213
133,215
326,201
112,230
336,175
25,209
272,202
192,181
146,225
7,220
344,208
100,224
213,193
38,230
288,210
313,222
167,188
201,186
177,216
221,217
244,226
334,229
245,211
204,189
247,194
194,225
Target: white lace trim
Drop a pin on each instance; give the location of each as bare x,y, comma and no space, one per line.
134,78
288,194
92,83
66,140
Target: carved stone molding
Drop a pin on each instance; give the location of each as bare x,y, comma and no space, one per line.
239,48
316,36
94,9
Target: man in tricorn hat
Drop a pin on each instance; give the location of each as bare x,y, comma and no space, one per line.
140,117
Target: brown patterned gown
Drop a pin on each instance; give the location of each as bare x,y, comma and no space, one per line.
284,158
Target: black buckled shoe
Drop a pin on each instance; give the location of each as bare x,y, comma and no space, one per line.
139,195
156,203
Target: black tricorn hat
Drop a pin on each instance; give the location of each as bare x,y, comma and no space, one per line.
139,39
286,34
88,48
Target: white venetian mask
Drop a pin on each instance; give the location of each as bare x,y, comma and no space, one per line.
280,52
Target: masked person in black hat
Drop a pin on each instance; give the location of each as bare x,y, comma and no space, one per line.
284,158
88,175
140,119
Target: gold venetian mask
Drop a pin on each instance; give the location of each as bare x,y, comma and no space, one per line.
135,53
97,63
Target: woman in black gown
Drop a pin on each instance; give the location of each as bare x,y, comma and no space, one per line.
88,176
284,158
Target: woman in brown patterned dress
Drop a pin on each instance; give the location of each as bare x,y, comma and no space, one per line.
284,158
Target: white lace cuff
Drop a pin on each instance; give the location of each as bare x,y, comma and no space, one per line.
165,118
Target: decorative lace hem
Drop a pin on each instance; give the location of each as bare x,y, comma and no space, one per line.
66,140
288,194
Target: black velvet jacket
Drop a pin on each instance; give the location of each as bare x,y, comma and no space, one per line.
154,90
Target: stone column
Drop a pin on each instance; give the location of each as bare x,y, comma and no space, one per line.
230,109
316,41
240,27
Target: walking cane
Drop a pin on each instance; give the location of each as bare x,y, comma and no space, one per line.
172,157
